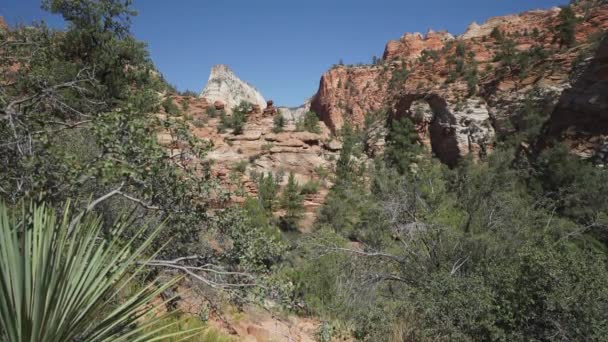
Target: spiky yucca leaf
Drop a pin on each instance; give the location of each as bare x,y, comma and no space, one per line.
55,286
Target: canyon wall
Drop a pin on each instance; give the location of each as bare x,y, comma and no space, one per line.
461,91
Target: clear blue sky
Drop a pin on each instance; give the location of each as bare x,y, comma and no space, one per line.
281,46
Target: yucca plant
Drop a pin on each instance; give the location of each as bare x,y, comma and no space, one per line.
60,283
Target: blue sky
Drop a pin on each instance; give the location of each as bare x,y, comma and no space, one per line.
281,46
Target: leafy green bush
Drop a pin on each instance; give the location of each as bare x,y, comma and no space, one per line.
566,28
267,191
170,107
309,188
309,122
278,123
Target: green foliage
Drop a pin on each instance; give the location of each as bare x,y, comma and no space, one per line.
278,122
497,34
291,202
58,275
309,188
402,144
309,123
267,191
461,49
495,250
241,166
577,187
236,121
256,244
189,93
398,77
185,104
170,107
211,112
566,28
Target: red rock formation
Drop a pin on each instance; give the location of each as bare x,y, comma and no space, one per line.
422,71
270,110
581,115
411,45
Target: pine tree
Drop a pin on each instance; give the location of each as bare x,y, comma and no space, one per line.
267,191
291,202
566,29
402,144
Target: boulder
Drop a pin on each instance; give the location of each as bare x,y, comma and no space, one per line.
219,105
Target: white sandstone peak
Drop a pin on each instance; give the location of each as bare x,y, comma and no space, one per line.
223,85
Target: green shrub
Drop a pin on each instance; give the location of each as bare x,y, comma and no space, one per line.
309,122
241,166
497,34
309,188
291,202
211,112
170,107
566,28
278,123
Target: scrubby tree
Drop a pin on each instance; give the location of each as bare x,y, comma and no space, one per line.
566,28
402,144
267,191
278,122
291,202
309,123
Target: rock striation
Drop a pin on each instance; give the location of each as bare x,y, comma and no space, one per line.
469,92
225,87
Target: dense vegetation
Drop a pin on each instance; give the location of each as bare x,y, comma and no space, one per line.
508,248
77,125
511,247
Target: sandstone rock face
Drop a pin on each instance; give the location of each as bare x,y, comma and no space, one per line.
581,115
224,86
462,115
530,20
411,45
262,151
293,114
270,108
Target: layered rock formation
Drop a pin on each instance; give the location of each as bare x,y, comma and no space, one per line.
472,86
226,88
236,159
411,45
581,116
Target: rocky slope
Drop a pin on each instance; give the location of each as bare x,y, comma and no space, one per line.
462,90
581,115
224,86
236,159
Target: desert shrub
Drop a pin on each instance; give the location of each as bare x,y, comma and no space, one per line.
398,77
170,107
241,166
310,187
267,191
309,123
211,112
566,28
497,34
278,122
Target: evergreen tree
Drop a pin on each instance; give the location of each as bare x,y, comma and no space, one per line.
291,202
267,191
566,29
402,144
